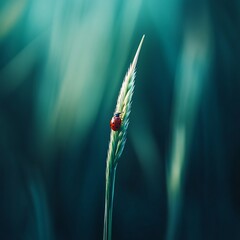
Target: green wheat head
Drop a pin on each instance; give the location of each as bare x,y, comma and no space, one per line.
124,102
117,142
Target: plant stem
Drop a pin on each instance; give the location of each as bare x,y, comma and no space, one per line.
109,195
117,142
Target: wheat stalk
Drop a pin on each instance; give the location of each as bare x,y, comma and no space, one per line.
117,141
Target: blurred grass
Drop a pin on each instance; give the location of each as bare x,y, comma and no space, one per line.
191,80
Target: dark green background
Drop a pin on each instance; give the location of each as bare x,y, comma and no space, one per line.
61,67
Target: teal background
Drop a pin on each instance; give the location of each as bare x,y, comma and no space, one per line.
61,68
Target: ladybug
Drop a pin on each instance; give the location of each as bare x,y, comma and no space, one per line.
115,123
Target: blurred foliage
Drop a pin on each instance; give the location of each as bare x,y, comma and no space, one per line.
61,67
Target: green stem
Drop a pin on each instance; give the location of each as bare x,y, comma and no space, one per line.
109,195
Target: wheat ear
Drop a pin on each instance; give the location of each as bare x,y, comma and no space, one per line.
117,141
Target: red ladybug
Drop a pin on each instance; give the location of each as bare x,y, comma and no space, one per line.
115,123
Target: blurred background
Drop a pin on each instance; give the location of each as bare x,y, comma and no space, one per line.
61,67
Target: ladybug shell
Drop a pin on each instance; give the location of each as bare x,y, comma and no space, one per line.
115,123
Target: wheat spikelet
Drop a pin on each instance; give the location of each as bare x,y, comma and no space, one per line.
117,141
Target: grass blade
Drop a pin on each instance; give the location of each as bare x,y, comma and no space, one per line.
117,142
